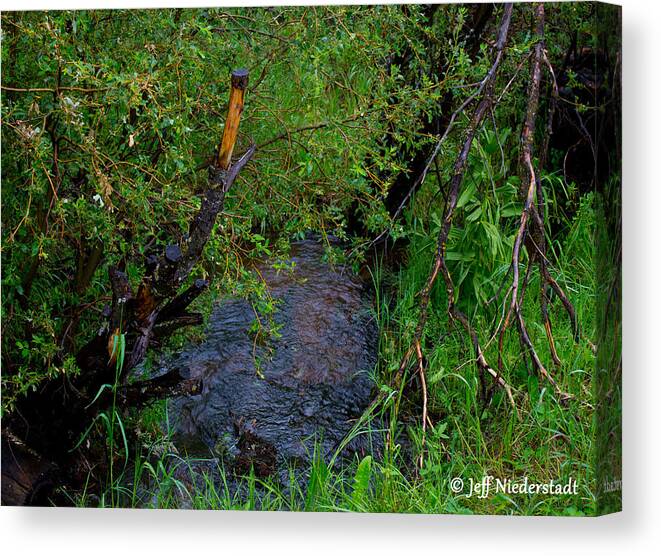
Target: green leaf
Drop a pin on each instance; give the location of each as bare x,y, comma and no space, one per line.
467,194
361,480
473,216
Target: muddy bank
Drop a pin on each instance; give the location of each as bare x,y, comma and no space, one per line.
264,403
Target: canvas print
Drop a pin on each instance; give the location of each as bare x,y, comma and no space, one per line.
343,258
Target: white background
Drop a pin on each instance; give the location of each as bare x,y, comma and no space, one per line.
634,531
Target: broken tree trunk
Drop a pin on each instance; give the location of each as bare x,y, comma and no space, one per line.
47,424
239,84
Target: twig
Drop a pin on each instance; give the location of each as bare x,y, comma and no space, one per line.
50,90
312,127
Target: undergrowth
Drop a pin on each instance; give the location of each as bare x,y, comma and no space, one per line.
471,437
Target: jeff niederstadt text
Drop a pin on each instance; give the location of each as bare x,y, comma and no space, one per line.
490,485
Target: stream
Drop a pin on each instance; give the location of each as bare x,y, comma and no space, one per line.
265,405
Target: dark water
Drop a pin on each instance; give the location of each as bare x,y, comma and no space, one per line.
315,378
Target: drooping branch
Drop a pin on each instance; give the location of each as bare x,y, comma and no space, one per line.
527,138
403,189
419,160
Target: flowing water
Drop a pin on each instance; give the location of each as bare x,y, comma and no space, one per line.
265,404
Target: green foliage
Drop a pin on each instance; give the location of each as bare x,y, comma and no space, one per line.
107,115
107,118
489,207
361,480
